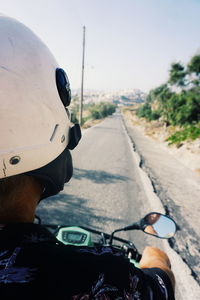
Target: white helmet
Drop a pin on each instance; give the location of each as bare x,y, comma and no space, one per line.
34,92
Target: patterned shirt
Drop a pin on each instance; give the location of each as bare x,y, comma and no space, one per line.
34,264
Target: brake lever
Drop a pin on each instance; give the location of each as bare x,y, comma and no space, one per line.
132,252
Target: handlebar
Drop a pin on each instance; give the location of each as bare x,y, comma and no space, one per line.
127,247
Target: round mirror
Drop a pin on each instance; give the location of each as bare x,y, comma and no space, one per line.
159,225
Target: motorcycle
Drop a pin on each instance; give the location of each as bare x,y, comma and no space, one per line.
154,223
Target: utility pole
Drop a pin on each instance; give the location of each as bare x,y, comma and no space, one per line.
82,79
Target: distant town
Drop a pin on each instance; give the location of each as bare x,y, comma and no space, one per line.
126,97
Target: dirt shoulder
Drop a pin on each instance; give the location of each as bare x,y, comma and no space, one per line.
188,153
91,123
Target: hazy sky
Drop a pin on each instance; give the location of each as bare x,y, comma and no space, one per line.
129,43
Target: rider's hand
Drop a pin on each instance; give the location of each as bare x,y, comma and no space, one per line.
155,258
151,230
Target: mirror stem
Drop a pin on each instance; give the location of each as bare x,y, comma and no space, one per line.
130,227
112,235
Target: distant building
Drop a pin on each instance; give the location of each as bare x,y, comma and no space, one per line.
124,97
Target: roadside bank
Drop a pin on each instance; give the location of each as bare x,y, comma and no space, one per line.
178,188
187,153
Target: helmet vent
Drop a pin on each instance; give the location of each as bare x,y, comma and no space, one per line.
54,133
15,160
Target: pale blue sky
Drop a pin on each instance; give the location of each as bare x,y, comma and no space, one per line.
129,43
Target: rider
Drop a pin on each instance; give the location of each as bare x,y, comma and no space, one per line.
36,136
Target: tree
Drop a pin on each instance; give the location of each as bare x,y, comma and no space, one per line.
193,67
163,94
180,107
177,75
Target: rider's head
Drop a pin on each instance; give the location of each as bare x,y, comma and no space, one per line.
36,132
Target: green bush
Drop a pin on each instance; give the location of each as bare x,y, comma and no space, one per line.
101,110
145,111
184,108
177,100
190,132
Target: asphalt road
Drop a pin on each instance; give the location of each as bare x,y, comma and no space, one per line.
106,191
109,190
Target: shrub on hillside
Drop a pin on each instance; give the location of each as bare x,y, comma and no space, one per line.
145,111
177,101
190,132
102,110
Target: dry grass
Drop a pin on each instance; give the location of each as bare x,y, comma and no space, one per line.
155,129
91,123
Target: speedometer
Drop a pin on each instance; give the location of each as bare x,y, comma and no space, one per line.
73,235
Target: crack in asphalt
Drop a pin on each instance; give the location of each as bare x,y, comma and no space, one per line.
186,242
